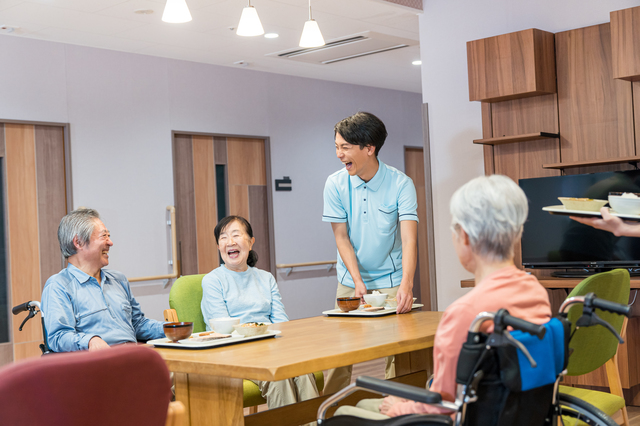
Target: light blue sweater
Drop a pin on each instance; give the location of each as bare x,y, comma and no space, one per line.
251,296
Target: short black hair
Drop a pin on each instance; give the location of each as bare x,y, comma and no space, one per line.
253,256
362,129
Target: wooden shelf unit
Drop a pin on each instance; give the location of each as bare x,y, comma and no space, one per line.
516,138
555,282
511,66
592,163
625,43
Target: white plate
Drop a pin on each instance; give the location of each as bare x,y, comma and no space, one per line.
235,338
583,213
360,313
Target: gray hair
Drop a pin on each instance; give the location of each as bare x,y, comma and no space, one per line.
79,223
491,210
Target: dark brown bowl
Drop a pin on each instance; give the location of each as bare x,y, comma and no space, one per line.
178,330
347,304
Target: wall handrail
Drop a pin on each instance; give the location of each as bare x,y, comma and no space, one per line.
174,253
289,266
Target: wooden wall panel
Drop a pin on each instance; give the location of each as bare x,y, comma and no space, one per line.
220,150
6,353
414,168
1,140
625,43
246,161
487,132
205,202
239,201
22,218
595,110
258,209
52,200
28,349
185,204
636,113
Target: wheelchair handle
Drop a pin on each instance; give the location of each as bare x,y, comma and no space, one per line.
20,308
522,325
608,306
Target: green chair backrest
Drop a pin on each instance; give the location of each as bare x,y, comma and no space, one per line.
593,346
185,297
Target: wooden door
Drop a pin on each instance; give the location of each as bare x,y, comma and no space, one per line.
215,177
414,168
32,159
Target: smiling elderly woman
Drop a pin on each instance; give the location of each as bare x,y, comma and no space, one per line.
239,290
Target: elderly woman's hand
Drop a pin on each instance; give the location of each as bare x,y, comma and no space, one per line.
388,402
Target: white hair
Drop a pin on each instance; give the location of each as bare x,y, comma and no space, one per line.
491,210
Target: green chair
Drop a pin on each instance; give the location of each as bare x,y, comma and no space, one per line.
595,346
184,299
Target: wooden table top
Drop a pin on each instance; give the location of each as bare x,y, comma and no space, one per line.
310,344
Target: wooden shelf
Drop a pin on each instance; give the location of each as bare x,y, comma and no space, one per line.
517,138
554,282
591,163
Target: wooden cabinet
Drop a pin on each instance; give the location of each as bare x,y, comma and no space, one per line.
511,66
625,43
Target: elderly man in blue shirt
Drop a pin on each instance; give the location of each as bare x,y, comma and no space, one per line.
372,209
86,306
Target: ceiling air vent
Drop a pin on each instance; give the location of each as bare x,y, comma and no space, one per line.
351,47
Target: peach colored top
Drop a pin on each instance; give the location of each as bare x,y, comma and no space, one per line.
510,288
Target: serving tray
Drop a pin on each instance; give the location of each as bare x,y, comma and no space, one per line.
359,313
234,339
561,210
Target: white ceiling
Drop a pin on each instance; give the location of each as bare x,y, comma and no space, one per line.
112,24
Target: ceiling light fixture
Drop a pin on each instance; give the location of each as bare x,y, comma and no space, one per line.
418,62
176,12
271,35
249,25
311,35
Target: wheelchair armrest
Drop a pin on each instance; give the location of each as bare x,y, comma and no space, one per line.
399,389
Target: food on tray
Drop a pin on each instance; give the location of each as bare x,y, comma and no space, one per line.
375,292
208,336
252,324
366,305
624,202
584,204
374,308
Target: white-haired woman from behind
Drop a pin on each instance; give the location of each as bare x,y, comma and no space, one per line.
487,214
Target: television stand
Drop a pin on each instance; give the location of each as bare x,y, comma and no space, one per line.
634,272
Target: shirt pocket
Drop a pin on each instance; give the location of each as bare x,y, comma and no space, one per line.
387,219
90,318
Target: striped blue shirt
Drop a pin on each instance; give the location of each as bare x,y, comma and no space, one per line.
373,211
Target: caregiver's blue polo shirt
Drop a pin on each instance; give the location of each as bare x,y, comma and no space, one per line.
372,211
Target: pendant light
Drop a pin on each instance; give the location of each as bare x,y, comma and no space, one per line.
249,22
311,35
176,12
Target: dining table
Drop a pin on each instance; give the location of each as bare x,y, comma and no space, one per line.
209,381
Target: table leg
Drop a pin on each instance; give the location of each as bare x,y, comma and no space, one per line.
410,362
181,381
211,400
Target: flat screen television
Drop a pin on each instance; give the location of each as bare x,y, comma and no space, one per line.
555,241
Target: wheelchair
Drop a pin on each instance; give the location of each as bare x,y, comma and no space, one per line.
33,307
509,377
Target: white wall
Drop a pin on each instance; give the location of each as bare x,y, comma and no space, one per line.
122,108
445,27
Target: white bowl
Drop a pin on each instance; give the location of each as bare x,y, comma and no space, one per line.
375,299
251,331
223,325
624,205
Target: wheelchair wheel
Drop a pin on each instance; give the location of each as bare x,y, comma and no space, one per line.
577,412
